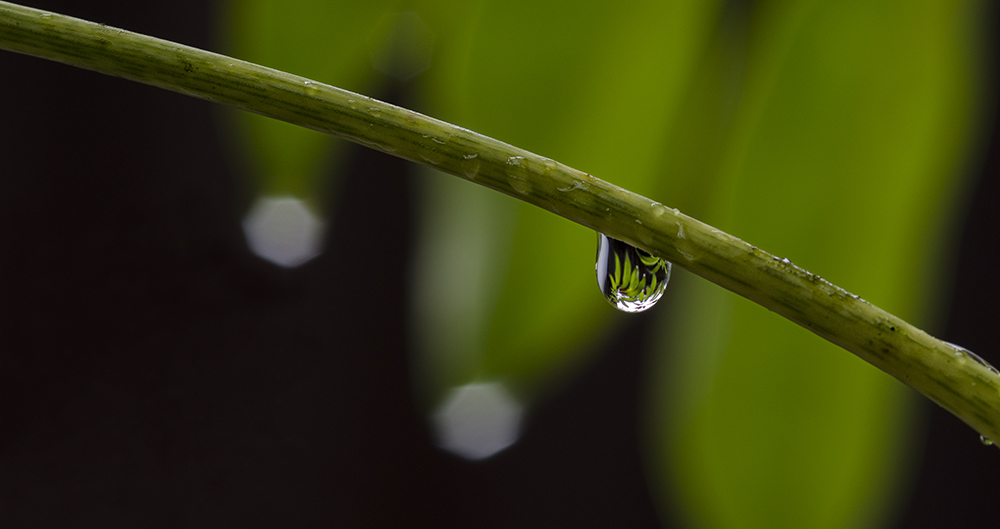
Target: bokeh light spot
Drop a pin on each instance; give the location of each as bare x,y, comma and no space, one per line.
478,420
283,230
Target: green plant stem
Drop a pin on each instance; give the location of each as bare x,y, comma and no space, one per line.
947,375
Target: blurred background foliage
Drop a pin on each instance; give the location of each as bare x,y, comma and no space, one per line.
843,135
824,131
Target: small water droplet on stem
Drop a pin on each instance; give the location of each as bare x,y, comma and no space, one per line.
961,352
517,168
470,166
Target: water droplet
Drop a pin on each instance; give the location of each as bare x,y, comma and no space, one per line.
961,351
375,111
470,165
517,168
45,16
352,103
985,440
311,87
432,157
629,278
377,146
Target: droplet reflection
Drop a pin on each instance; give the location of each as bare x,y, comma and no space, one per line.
629,278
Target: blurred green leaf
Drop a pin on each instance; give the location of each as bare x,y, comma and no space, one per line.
593,85
851,127
328,41
820,130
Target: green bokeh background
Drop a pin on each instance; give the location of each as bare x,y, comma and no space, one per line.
837,134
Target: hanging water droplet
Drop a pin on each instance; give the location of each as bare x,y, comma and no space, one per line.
629,278
985,440
961,351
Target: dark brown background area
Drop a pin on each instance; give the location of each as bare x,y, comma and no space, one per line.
154,373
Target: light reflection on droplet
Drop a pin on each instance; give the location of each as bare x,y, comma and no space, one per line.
478,420
283,230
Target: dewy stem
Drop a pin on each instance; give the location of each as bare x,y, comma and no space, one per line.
947,375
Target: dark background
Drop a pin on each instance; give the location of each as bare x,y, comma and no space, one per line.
154,373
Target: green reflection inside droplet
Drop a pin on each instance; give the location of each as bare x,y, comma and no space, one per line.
631,279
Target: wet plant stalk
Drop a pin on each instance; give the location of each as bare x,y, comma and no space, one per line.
945,374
